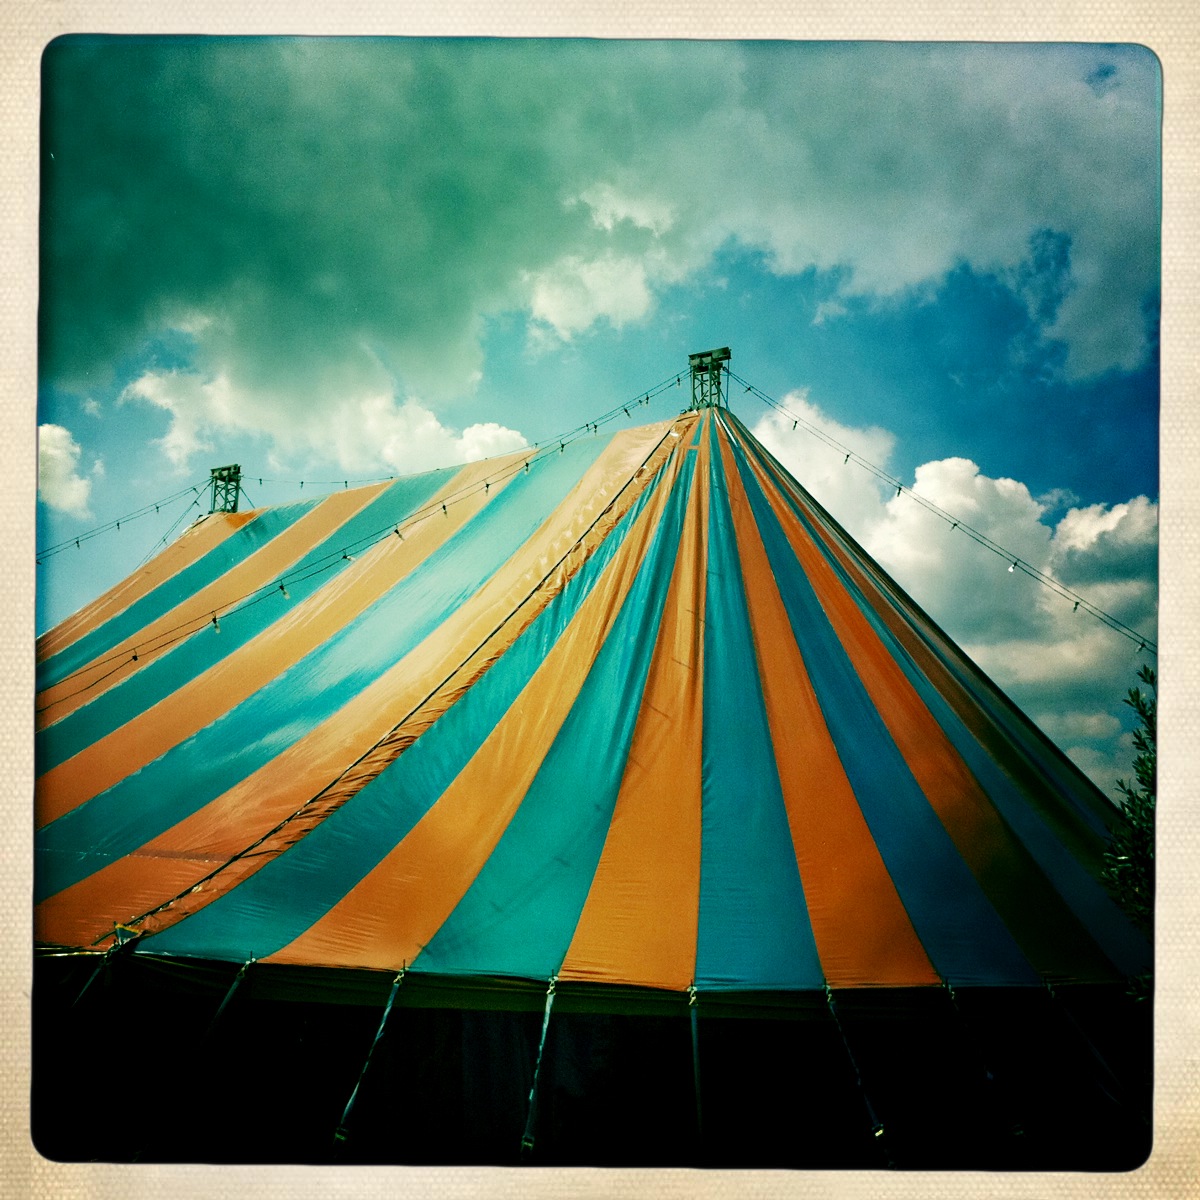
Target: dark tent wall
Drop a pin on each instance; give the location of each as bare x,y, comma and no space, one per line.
1008,1079
664,802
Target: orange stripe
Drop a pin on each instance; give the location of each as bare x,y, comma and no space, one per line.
192,545
884,595
398,907
640,920
231,680
862,931
1048,932
86,912
260,568
329,761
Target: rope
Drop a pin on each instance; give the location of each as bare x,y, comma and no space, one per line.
877,1130
692,1012
531,1117
115,524
995,1087
250,849
334,558
233,987
1016,563
1109,1082
340,1133
166,537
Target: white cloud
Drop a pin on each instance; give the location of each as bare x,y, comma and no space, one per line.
1068,725
573,294
1067,670
194,404
487,440
409,437
955,575
827,309
610,206
852,496
363,432
60,484
444,185
896,164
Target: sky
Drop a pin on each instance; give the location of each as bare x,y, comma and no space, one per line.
344,259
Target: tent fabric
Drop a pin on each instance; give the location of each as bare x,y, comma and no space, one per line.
634,713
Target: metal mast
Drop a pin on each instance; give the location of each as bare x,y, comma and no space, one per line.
706,378
226,485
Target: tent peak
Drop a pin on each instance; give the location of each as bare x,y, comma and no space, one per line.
706,377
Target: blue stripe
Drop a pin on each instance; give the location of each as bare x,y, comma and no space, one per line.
252,536
1082,892
277,904
964,936
191,657
190,775
1058,774
754,929
519,915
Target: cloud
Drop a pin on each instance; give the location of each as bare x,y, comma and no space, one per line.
334,220
60,484
1066,670
361,433
609,207
193,403
409,438
827,309
572,295
852,497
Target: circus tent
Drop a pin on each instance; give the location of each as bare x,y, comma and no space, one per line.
603,802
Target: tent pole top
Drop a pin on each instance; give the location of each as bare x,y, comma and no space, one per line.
706,367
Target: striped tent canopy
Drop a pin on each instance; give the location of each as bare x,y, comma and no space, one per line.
632,713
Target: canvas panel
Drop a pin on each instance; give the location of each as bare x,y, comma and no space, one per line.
402,503
276,903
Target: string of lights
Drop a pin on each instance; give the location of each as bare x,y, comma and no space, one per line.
166,537
308,804
1015,562
155,506
327,562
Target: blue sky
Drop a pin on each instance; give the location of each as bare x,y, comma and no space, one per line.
330,259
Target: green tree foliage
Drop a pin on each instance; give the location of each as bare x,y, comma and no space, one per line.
1128,870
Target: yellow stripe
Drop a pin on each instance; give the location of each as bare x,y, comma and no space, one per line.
190,546
398,907
642,912
194,613
338,757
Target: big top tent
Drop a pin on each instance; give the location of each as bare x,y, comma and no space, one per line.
602,802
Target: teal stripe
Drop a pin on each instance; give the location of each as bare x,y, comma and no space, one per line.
1084,895
754,930
277,904
190,775
193,656
964,936
1075,791
518,917
252,536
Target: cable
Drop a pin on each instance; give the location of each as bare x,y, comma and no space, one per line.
1016,563
166,537
169,637
137,514
307,806
345,483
